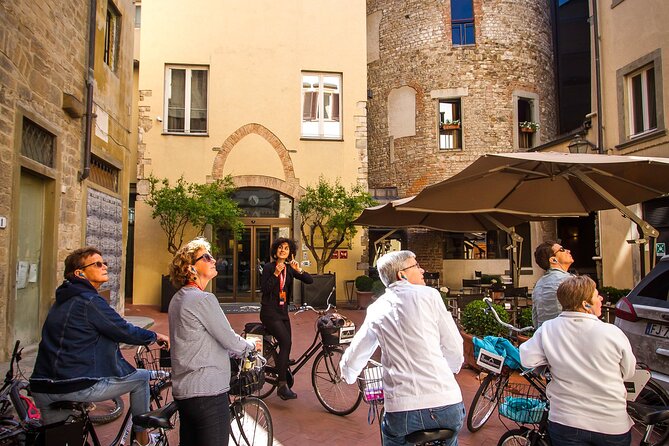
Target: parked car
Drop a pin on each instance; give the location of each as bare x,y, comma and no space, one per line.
644,317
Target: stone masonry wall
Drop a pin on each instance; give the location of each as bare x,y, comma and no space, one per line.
42,56
513,52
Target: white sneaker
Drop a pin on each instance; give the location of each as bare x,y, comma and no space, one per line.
153,440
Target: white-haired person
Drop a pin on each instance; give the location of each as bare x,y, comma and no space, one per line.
421,351
589,361
202,342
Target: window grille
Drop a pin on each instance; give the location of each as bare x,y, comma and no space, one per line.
38,144
104,174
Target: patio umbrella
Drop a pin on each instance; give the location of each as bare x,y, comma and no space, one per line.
388,216
550,184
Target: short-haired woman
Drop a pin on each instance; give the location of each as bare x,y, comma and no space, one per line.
277,292
589,361
202,340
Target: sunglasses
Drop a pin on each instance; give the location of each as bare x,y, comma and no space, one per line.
206,256
97,265
562,249
417,265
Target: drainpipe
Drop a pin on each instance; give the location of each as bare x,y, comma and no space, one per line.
90,79
598,80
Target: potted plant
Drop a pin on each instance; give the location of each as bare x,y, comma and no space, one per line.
378,288
363,290
476,322
528,126
327,212
184,206
449,124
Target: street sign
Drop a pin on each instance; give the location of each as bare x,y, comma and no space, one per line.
660,249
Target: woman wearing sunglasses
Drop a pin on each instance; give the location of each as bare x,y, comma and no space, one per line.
277,293
79,357
201,347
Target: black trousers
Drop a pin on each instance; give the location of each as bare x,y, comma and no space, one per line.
280,329
204,420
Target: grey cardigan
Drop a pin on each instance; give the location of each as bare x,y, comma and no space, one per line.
202,340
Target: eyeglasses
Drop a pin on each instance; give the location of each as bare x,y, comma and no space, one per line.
206,256
97,264
417,265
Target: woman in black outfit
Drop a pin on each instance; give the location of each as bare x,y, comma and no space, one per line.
277,292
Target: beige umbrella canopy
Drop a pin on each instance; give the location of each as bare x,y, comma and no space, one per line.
388,216
546,183
550,184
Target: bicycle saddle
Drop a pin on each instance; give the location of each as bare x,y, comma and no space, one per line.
156,418
420,437
649,414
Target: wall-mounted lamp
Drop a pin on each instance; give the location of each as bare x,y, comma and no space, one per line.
581,145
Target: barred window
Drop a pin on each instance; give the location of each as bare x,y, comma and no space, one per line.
38,144
104,174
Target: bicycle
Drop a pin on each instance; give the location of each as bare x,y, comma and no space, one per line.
79,427
250,418
650,411
490,391
332,332
371,387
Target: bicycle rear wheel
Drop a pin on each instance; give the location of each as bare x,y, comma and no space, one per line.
653,395
106,411
331,390
485,400
522,437
251,423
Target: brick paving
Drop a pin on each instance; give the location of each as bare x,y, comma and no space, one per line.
304,421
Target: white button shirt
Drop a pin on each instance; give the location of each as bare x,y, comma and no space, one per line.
421,348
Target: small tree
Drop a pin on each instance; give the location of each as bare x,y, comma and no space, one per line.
327,212
176,207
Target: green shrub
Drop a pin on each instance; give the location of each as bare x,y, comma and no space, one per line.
525,320
612,294
378,288
476,322
364,283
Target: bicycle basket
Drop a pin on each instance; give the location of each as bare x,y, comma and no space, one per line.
154,359
245,382
371,384
335,329
522,403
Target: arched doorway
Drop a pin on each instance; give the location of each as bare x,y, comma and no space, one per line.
268,214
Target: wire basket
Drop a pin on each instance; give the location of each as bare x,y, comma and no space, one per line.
522,403
246,376
153,359
371,384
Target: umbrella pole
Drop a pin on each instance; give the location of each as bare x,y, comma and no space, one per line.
650,234
516,244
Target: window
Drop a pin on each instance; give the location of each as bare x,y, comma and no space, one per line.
527,125
642,105
138,16
38,144
104,174
186,99
112,35
462,22
450,124
321,105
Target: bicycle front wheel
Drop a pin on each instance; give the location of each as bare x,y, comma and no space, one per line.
251,423
485,400
331,390
653,395
522,437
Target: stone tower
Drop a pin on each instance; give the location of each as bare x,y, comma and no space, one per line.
450,80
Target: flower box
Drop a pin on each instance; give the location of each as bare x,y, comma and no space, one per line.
450,126
527,130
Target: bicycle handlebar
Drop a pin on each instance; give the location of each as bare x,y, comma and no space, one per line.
488,302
